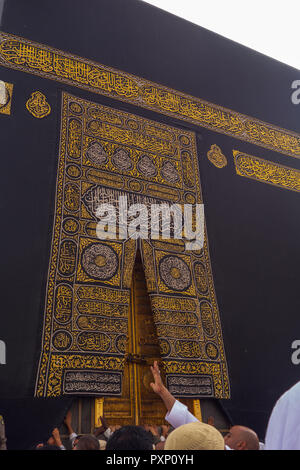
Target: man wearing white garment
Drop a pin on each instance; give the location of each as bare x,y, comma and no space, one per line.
238,438
283,432
178,414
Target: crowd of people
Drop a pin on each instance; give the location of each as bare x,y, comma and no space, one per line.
184,431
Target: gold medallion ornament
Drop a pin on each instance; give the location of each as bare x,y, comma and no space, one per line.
37,105
6,90
216,157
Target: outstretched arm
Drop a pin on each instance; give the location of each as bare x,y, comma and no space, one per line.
68,422
178,413
159,388
57,439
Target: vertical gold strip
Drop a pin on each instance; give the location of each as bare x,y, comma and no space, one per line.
79,415
134,351
99,404
197,409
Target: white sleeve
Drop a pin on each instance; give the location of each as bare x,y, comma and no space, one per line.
276,427
179,415
283,432
108,433
72,437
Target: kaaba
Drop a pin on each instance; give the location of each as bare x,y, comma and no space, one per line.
111,98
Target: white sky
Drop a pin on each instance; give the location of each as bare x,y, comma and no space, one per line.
270,27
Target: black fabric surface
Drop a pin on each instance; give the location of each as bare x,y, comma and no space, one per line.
30,421
253,228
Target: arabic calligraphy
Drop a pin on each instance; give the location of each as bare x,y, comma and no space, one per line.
57,65
266,172
37,105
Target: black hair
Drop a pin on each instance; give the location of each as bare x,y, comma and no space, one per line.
48,447
88,443
130,438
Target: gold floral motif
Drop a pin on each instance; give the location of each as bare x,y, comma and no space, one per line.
216,157
37,105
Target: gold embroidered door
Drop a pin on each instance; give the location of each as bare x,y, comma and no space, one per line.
106,155
138,403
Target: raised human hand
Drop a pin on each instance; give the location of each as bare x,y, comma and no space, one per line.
102,428
157,386
56,436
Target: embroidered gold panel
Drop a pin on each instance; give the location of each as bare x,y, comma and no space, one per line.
104,154
38,59
138,403
266,172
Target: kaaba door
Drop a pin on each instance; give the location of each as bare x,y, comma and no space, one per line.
138,403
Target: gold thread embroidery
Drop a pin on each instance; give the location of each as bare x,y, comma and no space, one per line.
37,105
31,57
86,311
216,157
74,362
198,367
266,172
